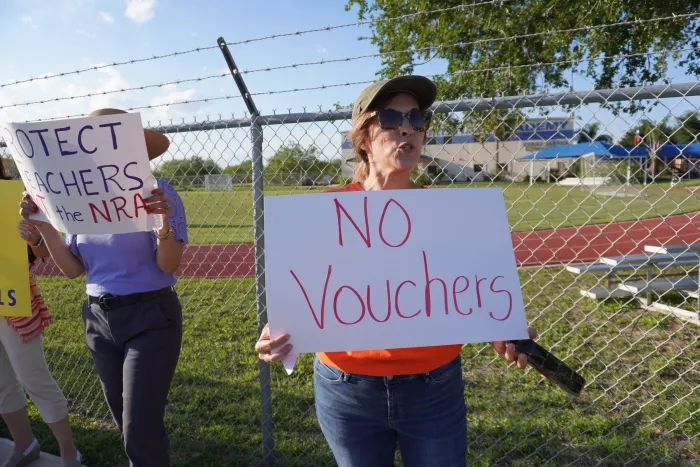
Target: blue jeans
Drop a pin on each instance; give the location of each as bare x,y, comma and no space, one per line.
364,418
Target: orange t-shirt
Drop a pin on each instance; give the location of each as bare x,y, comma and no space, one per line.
388,362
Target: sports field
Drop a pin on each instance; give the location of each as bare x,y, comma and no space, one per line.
636,408
227,217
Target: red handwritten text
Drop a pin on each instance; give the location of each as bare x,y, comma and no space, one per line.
409,292
119,208
366,238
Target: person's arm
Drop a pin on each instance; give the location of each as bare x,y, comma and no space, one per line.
169,251
40,250
31,235
68,263
172,236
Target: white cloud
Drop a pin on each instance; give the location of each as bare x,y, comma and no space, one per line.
111,80
168,111
103,80
106,17
83,32
140,11
26,19
46,85
322,50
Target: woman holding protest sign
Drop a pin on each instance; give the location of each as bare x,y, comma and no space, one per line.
22,364
367,402
132,315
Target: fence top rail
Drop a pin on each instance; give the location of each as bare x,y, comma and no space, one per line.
601,96
662,91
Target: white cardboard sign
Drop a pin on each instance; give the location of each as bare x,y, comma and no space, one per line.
86,175
391,269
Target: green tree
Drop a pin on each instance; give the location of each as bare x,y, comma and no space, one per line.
588,132
332,167
189,167
591,132
652,135
484,59
293,162
293,157
244,168
688,128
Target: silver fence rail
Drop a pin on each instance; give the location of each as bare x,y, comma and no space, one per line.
607,249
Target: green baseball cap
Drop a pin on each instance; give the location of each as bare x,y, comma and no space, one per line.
421,87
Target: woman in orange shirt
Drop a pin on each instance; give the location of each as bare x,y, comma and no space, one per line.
367,402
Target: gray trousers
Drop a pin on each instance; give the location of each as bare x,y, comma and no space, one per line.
136,349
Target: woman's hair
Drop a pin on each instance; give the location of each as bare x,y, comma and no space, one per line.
359,135
4,174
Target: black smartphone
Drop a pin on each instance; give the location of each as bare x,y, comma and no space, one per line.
550,366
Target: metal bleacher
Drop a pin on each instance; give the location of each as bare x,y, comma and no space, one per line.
642,276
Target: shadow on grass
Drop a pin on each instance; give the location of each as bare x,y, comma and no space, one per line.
220,226
210,423
522,442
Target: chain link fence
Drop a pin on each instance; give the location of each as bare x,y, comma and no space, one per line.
589,232
602,192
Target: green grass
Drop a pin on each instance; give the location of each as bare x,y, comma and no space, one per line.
227,217
640,406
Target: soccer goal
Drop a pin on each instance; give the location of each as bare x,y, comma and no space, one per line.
218,182
613,177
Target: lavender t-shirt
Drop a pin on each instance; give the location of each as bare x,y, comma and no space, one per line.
123,264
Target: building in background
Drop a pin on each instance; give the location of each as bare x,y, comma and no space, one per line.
460,157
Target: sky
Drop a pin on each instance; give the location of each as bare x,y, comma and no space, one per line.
65,35
45,38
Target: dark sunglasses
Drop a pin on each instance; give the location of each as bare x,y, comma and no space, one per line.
390,119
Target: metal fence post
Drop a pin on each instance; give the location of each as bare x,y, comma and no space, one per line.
256,137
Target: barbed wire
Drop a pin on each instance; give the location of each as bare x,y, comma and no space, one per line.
351,83
476,42
576,60
246,41
116,91
107,65
226,97
362,23
348,59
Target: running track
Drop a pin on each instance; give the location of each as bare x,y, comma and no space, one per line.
539,248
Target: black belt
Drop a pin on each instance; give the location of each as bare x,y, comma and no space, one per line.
110,302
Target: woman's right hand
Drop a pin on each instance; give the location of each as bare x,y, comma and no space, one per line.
265,345
29,232
27,207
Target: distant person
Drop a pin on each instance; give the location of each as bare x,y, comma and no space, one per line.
132,315
23,367
368,402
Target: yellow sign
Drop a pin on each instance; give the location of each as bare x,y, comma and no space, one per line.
14,263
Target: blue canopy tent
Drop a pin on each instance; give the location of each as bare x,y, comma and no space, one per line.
597,149
664,151
678,154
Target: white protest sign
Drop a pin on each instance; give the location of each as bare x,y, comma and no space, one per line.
86,175
391,269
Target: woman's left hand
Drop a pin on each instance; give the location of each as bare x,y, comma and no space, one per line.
158,204
508,353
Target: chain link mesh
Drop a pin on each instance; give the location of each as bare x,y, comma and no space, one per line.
588,234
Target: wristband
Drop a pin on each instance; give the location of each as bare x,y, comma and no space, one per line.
167,235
